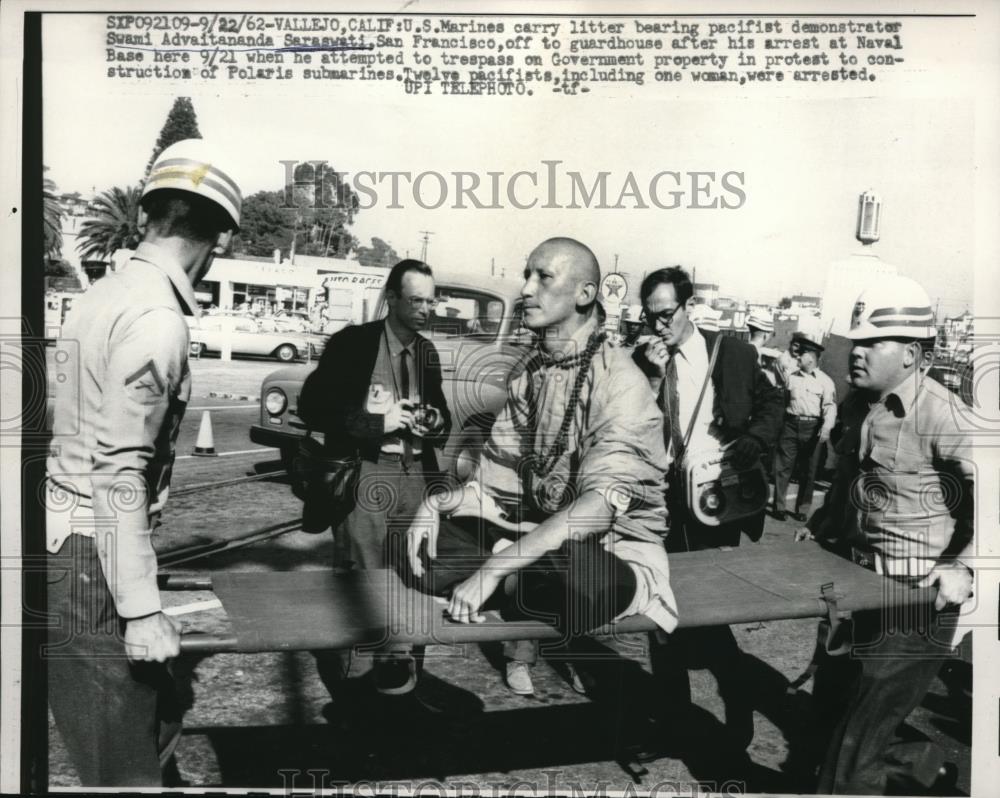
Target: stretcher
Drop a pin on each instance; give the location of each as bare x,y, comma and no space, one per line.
312,610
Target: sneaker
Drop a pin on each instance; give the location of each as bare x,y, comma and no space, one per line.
574,679
395,675
168,736
519,678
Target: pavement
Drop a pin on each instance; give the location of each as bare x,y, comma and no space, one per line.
214,378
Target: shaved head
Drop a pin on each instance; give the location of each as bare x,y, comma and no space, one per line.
578,258
560,285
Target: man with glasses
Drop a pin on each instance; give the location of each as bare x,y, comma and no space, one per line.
377,392
739,407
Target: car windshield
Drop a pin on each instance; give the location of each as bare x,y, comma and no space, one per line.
466,313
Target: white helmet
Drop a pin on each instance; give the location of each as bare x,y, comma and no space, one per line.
893,307
760,320
189,165
704,317
810,338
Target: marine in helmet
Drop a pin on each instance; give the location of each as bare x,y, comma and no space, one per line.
761,328
810,413
119,399
902,504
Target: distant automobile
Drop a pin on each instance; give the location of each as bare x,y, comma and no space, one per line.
292,321
248,338
957,380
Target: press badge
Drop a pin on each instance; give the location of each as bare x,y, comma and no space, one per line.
379,399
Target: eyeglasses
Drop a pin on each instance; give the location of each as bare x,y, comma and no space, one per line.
417,302
662,319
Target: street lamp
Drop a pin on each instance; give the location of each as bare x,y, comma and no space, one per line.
869,218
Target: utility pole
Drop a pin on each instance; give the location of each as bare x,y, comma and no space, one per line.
493,267
426,239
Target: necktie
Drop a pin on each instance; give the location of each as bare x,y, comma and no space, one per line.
672,404
404,390
404,375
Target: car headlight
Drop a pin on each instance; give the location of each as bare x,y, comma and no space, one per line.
275,401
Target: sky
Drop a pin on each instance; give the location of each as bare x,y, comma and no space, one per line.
804,158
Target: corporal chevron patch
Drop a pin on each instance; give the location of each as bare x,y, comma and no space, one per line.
145,385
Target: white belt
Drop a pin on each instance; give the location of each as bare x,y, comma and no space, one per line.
903,566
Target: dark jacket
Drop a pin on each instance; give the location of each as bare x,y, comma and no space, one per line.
334,395
745,401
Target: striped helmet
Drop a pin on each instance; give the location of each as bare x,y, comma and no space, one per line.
189,165
704,318
761,320
893,307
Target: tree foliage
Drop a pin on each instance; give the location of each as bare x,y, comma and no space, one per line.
113,224
380,253
51,219
182,123
785,303
312,212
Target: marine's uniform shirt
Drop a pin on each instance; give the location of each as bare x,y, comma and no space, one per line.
122,385
614,447
905,483
812,395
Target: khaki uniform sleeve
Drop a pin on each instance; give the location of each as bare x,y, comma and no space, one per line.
828,408
146,357
953,455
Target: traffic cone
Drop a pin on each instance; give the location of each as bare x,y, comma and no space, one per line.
205,445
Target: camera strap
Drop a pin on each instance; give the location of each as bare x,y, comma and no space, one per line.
679,456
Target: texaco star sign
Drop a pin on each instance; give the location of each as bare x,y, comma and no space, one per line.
614,287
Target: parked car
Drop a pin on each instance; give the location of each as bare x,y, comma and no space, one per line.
249,339
957,379
478,334
292,321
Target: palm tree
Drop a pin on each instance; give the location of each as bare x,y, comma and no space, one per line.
51,219
113,225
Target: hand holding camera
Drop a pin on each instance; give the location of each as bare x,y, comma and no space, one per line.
427,420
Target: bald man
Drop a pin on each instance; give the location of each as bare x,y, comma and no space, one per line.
566,508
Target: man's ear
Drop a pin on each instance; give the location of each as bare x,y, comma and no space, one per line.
689,304
587,293
141,220
222,243
911,354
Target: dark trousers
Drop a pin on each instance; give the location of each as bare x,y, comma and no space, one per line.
371,537
711,647
577,588
895,658
104,707
798,452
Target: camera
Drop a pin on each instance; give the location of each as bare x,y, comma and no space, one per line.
424,416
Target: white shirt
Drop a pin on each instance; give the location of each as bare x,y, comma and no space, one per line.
386,377
692,365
